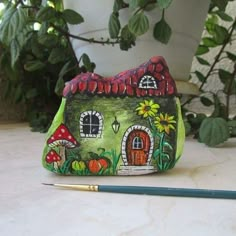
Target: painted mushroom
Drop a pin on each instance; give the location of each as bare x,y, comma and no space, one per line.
53,157
62,138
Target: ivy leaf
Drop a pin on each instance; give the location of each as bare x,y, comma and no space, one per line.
72,17
163,4
200,76
162,31
203,61
138,24
34,65
56,55
201,50
231,56
213,131
206,101
114,25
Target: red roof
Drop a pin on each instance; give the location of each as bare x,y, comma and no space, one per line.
126,83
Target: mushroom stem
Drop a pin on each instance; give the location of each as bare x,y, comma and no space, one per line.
62,154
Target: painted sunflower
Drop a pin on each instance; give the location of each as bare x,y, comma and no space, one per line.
164,122
147,108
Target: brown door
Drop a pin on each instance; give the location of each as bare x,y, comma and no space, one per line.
137,147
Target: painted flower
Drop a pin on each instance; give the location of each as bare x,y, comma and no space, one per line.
164,122
147,108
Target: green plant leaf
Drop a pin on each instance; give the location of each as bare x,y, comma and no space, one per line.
200,76
162,31
127,38
87,62
48,40
119,4
72,17
220,34
34,65
31,93
60,84
224,16
206,101
56,55
228,80
114,25
231,56
15,51
203,61
214,131
164,3
13,22
201,50
138,24
46,13
66,68
221,4
209,42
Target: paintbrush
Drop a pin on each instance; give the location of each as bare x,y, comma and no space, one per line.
148,190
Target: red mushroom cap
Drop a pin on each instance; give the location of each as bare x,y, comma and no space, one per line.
62,137
52,156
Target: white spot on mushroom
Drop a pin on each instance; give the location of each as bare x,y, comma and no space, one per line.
59,135
51,152
63,130
69,137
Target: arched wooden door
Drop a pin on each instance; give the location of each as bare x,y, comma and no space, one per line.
138,147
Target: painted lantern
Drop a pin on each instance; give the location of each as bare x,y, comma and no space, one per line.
128,124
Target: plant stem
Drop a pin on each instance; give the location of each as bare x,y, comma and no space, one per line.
219,54
91,40
228,93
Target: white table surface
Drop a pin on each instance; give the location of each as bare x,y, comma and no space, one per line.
28,208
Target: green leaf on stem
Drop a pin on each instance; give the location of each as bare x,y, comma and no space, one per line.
46,13
163,4
203,61
34,65
231,56
60,84
201,50
138,24
200,76
221,4
162,31
224,16
220,34
213,131
209,42
56,55
206,101
72,17
127,38
114,25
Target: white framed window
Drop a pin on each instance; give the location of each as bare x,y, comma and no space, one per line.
137,143
148,82
91,124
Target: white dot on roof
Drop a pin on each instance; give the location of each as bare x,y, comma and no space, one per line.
69,137
63,130
51,152
59,135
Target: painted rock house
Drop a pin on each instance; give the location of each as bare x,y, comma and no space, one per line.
128,124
